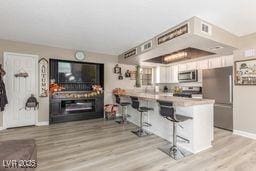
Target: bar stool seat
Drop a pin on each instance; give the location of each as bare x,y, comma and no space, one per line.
123,105
144,109
140,132
167,110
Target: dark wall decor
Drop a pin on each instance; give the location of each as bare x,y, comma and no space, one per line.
127,74
172,34
21,73
120,77
78,99
130,53
117,69
43,77
245,72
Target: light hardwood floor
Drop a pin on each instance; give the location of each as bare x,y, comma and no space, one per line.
104,145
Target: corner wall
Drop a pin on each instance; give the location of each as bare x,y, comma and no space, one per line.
245,96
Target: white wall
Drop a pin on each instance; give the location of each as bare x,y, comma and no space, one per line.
112,81
245,96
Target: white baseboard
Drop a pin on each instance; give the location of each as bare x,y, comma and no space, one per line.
245,134
43,123
1,128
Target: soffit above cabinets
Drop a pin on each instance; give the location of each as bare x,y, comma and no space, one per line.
194,34
181,55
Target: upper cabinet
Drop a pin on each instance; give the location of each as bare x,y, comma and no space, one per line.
161,74
215,63
169,74
204,64
223,61
228,60
172,74
191,66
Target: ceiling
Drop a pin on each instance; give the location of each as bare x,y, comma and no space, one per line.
113,26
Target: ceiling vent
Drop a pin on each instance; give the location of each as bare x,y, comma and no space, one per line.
206,28
146,46
130,53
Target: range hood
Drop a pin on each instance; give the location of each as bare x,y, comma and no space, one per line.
191,39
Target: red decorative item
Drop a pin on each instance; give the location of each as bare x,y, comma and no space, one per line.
55,87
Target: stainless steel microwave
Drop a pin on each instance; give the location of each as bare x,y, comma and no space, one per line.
188,76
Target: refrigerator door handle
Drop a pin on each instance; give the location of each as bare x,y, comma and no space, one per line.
230,89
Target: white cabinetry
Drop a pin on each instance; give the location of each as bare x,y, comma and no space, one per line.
228,61
172,74
204,64
191,66
182,67
161,74
215,63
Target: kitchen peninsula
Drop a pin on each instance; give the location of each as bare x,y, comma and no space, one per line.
198,130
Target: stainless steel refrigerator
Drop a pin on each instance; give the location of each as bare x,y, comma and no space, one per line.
218,85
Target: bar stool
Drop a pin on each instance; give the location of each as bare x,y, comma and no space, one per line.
123,105
140,132
167,110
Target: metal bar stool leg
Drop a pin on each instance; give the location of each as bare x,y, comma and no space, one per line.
122,117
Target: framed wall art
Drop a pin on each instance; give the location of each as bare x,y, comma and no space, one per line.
117,69
43,77
245,72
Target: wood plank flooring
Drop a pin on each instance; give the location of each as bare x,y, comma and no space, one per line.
98,145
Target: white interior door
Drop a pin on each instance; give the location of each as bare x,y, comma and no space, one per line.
19,89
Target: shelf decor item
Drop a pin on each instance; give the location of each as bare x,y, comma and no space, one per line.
117,69
43,77
138,80
245,72
133,75
127,74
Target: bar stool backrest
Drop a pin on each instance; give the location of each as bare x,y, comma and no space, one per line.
118,100
166,109
135,102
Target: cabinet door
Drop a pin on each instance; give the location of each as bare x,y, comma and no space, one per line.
182,67
160,74
191,66
215,63
55,108
174,70
202,64
168,74
228,60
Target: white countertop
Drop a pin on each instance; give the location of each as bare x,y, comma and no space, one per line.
178,101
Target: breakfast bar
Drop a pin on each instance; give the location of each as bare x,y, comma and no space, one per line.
198,131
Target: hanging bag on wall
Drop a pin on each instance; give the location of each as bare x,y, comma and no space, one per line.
32,103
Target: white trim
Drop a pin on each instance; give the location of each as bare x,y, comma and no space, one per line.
245,134
5,54
43,123
2,128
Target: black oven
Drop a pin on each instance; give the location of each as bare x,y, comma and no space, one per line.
188,76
